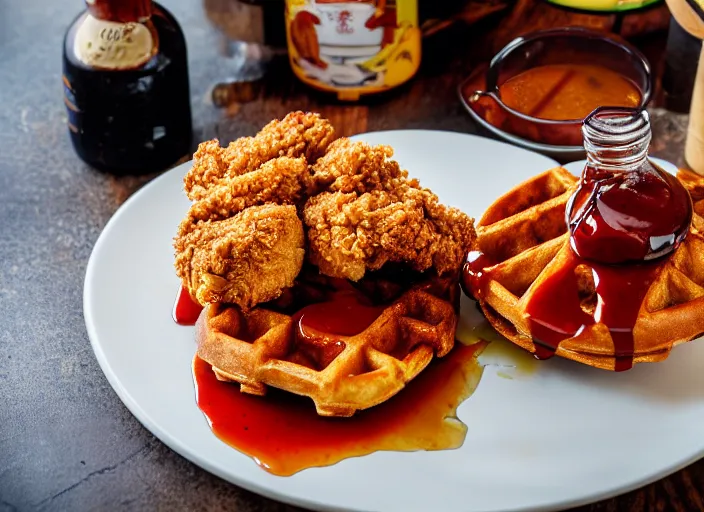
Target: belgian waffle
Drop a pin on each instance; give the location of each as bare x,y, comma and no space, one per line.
263,347
525,239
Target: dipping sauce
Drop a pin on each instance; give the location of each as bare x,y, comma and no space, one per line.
567,91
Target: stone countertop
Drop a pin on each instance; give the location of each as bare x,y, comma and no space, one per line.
66,441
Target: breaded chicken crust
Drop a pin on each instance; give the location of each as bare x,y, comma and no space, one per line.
350,166
246,259
283,180
243,242
350,234
298,134
372,214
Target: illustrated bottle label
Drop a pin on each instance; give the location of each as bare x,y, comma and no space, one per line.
353,47
71,108
113,46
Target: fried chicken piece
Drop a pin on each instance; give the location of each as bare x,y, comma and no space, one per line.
298,134
283,180
372,213
349,234
361,210
245,260
354,166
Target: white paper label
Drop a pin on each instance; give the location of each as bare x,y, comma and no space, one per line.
109,45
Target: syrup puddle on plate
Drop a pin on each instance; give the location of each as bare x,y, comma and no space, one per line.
284,434
509,360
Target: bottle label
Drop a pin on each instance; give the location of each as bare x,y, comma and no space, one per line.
353,47
71,108
109,45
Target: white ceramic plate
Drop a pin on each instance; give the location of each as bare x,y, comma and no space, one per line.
558,436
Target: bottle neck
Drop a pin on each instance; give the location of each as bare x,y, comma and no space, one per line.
120,11
116,35
617,139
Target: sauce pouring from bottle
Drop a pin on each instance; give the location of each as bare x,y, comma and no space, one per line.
626,209
625,216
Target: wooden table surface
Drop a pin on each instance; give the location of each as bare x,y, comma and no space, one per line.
66,440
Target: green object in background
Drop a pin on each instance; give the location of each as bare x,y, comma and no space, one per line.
609,5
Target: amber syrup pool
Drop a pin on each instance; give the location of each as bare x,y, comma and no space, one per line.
284,434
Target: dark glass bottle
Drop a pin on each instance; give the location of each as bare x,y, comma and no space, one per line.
126,88
274,21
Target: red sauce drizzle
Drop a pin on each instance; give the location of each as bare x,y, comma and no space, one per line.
284,434
474,273
346,314
621,224
320,325
556,313
186,310
619,217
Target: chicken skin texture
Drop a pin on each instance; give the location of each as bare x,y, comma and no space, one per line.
350,234
298,134
246,259
265,203
373,214
283,180
350,166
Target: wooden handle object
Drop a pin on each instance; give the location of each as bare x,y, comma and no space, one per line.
688,18
694,145
691,20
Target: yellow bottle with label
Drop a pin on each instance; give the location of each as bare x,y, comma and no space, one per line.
353,47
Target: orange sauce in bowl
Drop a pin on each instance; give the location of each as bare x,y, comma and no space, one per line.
567,91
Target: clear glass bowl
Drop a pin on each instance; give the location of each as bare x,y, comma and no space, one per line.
571,45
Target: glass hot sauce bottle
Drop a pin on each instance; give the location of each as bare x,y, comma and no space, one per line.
625,215
626,209
126,86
